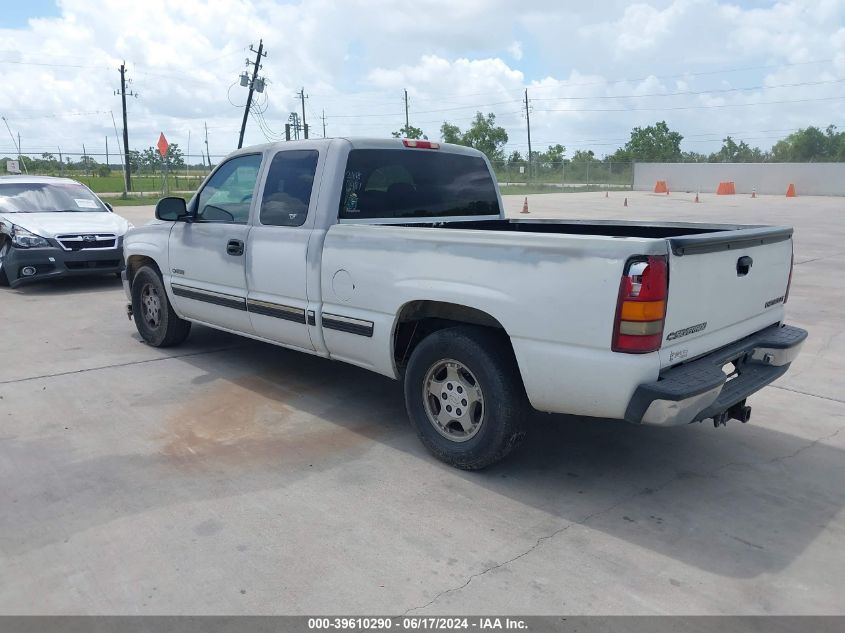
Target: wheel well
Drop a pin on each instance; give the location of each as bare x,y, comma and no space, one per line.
135,262
418,319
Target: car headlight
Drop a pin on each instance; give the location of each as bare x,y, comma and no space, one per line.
24,239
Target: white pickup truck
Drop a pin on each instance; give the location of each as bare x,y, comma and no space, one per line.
396,256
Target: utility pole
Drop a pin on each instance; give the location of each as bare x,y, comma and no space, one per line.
252,85
206,145
61,162
188,154
302,98
85,158
107,151
117,137
295,125
324,124
528,122
407,124
123,94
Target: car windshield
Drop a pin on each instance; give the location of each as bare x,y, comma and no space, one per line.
43,197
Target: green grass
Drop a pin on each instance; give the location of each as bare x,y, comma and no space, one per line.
135,200
114,183
140,182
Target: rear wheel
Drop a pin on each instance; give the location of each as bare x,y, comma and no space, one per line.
465,397
155,319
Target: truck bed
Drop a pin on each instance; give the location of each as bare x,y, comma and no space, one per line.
605,228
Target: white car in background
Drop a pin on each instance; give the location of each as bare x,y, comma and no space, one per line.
55,227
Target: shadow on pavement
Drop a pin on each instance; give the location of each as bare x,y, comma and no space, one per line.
737,502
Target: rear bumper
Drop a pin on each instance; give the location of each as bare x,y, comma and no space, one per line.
54,262
700,389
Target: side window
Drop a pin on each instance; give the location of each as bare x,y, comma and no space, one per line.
227,196
287,192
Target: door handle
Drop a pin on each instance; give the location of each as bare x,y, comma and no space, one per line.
235,248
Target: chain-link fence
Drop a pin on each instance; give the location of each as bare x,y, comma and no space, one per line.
567,175
104,173
151,176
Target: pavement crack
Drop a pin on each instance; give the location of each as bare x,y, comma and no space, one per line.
816,259
547,537
118,365
610,508
807,393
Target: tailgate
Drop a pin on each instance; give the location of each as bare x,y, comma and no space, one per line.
723,286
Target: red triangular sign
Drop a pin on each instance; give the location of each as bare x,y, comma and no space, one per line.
162,145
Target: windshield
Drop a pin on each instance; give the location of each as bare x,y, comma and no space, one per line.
43,197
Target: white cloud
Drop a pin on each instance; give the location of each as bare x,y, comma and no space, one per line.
355,58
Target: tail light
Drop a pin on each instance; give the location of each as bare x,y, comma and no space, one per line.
789,281
641,309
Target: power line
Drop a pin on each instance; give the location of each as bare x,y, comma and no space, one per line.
695,107
693,92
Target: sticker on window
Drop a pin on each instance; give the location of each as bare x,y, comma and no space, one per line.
85,204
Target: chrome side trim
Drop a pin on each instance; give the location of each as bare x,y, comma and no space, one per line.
276,310
347,324
208,296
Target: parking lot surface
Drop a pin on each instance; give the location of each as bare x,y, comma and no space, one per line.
227,476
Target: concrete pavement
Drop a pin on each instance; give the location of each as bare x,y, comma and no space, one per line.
227,476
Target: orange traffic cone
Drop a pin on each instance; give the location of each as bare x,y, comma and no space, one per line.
525,206
753,193
790,192
626,203
696,197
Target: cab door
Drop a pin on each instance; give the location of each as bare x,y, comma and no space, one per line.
208,255
277,249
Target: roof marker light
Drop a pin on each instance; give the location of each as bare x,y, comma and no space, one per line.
410,142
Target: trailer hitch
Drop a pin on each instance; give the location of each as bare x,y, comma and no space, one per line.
740,411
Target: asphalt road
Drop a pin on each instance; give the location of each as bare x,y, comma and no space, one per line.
228,476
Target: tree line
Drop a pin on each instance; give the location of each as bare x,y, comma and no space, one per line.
147,161
652,143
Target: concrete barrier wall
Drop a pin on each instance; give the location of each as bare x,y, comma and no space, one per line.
810,179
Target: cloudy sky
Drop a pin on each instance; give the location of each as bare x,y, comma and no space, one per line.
756,70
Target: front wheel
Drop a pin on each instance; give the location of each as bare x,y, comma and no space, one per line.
155,319
465,397
4,251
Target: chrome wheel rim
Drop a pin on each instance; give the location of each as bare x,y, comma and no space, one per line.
150,305
453,400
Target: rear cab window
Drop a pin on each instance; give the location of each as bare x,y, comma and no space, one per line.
287,188
405,184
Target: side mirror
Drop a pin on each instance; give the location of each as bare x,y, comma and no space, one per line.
171,209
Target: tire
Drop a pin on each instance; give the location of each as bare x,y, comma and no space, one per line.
446,370
4,248
155,319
